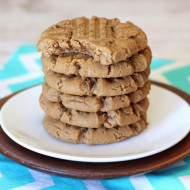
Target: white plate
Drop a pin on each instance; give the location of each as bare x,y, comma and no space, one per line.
21,119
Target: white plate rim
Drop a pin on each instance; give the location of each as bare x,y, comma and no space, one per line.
121,157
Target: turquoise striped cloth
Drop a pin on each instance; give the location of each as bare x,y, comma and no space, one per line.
23,70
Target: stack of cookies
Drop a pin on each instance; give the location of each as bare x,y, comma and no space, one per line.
96,80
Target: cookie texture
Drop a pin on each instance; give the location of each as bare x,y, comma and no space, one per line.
96,80
77,85
90,136
95,103
85,66
107,40
120,117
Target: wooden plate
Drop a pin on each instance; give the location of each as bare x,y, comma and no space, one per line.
95,170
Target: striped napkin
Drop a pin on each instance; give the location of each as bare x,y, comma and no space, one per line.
23,70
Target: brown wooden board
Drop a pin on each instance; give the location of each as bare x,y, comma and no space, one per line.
95,170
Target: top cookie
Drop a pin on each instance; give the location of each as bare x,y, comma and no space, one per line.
107,40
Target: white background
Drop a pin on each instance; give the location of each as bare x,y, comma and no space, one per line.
166,22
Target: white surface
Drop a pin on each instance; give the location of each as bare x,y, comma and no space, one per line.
166,22
21,119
